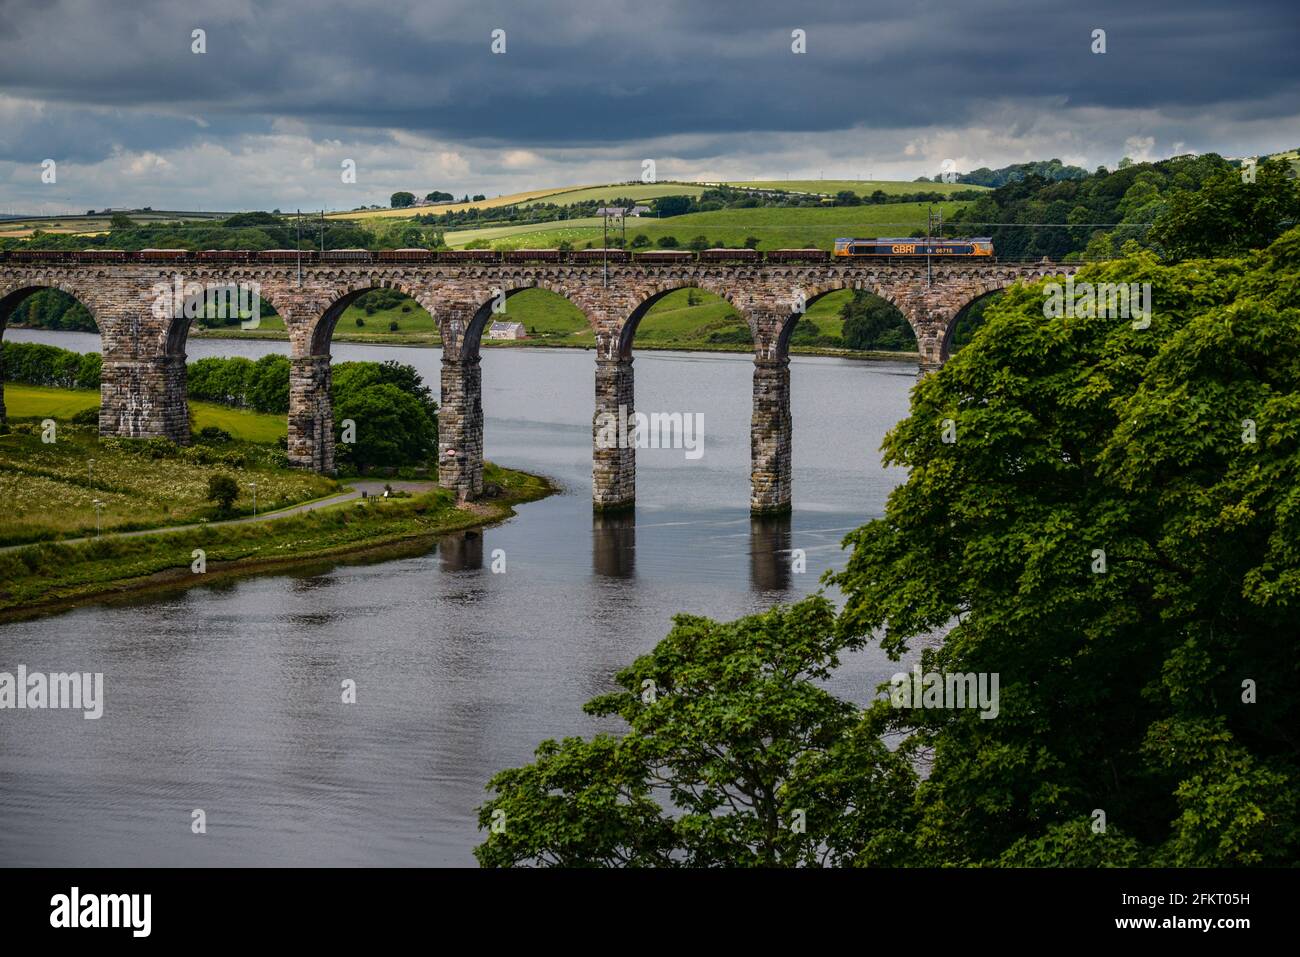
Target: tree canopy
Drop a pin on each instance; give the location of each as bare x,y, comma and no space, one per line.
1105,516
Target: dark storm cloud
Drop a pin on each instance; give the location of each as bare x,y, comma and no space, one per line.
588,73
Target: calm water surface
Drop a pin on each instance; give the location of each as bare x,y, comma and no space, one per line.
227,697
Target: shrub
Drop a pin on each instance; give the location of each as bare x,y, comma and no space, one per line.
87,416
223,490
213,435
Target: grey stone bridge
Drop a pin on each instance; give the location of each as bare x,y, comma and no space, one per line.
143,391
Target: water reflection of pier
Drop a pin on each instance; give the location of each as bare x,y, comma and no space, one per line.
770,540
613,545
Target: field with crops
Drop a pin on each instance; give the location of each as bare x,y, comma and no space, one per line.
639,192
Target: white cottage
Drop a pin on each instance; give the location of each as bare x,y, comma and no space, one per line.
507,330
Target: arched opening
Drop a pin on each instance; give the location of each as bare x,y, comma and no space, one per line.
50,365
379,314
853,319
524,311
686,317
369,413
230,364
967,322
693,415
539,316
523,315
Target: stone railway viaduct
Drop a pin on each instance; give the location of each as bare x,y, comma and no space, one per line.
143,392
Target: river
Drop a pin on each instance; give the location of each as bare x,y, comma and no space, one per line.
227,697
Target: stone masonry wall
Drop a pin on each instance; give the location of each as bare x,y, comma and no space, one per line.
460,426
613,463
311,414
771,435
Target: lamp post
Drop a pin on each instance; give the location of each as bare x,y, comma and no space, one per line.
90,465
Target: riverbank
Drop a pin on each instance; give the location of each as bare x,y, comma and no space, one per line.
51,577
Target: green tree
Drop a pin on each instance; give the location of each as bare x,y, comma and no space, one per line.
1108,518
735,756
640,241
698,243
672,205
268,384
401,199
223,490
1227,216
667,242
392,428
872,323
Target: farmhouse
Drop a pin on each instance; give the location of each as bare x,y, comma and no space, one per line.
507,330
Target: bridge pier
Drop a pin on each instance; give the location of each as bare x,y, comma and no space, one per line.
770,438
613,442
144,398
311,414
460,426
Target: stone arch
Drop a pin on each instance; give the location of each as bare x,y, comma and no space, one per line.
12,295
466,343
985,289
859,281
653,291
352,289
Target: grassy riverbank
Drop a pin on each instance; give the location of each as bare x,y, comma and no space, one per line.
47,577
58,494
50,489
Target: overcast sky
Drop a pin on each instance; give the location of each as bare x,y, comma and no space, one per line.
411,91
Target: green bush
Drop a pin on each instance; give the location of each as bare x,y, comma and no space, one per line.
213,435
223,490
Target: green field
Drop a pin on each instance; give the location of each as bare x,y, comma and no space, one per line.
32,401
540,235
634,191
862,187
775,227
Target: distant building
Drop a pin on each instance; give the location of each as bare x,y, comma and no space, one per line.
616,212
507,330
638,210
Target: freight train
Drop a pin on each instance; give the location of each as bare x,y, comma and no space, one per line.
913,248
844,248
